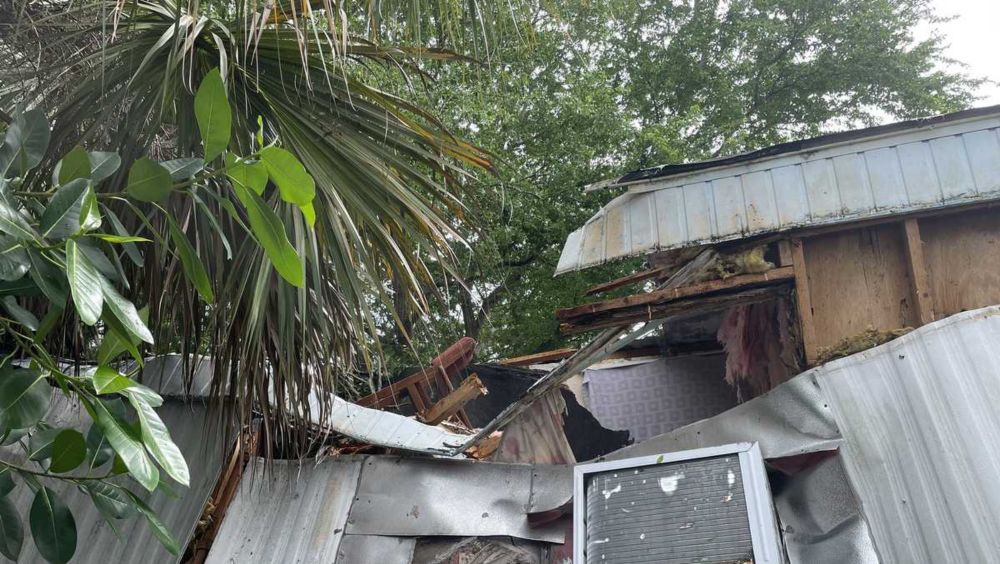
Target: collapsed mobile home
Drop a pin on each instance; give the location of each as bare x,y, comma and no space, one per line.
806,363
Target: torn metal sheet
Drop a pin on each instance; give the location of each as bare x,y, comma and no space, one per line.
376,549
422,497
480,551
373,426
821,521
789,420
292,513
922,438
384,428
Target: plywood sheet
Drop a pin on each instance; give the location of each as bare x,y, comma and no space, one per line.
858,279
963,259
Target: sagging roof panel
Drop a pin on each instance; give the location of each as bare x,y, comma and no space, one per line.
923,164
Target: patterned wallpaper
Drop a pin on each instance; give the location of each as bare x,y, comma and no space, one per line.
656,397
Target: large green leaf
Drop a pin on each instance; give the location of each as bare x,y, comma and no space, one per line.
107,380
52,527
24,397
61,218
11,532
159,529
183,169
215,117
13,223
7,484
293,181
125,312
69,450
118,341
270,233
130,449
252,176
158,441
13,259
148,181
40,441
130,249
75,165
110,500
26,142
49,278
21,315
190,263
98,448
103,164
85,283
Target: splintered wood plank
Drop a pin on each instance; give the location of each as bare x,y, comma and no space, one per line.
919,278
470,389
625,281
538,358
804,301
669,294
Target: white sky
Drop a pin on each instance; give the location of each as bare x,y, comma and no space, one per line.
974,39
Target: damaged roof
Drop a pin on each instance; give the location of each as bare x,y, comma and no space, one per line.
905,167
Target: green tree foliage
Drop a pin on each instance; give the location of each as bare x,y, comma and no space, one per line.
606,87
56,260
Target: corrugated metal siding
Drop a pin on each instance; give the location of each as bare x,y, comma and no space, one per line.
294,514
917,169
96,541
922,438
671,513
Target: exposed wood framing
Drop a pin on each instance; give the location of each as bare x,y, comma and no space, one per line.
470,389
559,354
919,278
785,252
433,381
626,281
698,304
670,294
606,343
804,302
539,358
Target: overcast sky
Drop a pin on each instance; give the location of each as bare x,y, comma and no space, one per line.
974,38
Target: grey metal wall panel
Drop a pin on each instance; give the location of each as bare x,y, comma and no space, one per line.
927,167
922,438
424,497
294,513
821,520
680,512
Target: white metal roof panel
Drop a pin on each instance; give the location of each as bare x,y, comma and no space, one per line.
940,164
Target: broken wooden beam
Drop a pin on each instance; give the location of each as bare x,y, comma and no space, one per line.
538,358
470,389
626,281
671,294
700,304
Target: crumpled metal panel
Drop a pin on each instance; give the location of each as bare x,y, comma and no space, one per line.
291,513
820,519
793,418
922,438
924,167
200,440
421,497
